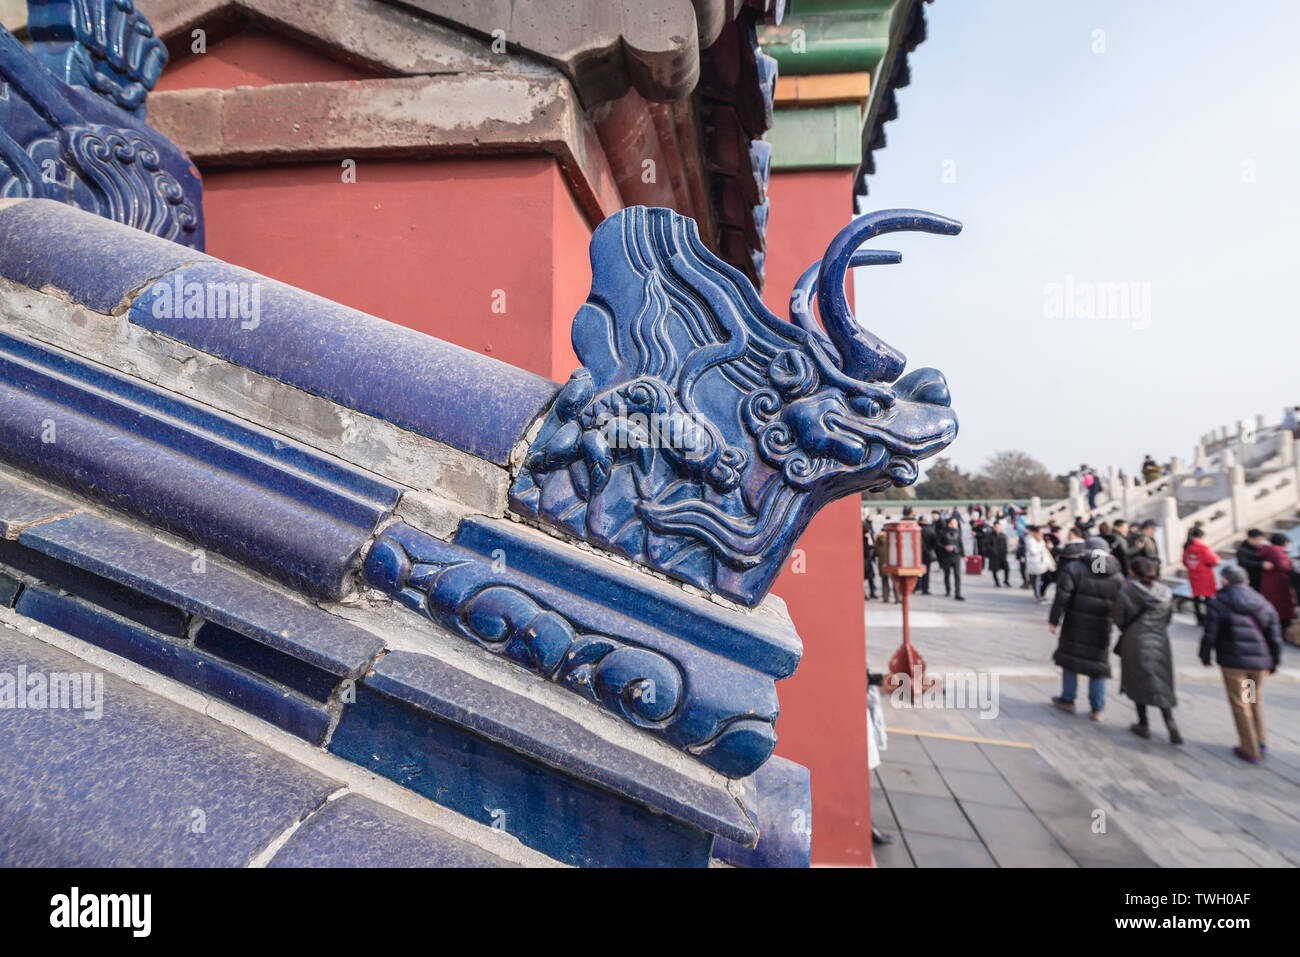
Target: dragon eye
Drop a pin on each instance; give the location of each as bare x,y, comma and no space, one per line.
868,406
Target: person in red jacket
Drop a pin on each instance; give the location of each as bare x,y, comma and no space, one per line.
1199,560
1275,582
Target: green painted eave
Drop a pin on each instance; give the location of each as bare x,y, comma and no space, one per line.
833,36
817,137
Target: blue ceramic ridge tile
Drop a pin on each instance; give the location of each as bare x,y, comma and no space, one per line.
354,831
433,687
716,710
128,789
271,505
22,506
95,262
218,593
544,808
180,662
757,640
357,360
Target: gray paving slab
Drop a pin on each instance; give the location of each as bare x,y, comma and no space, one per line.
958,755
933,850
905,749
932,815
1016,838
977,787
912,779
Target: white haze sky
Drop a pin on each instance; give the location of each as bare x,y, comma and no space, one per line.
1123,166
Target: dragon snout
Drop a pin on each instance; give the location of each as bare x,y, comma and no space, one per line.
924,385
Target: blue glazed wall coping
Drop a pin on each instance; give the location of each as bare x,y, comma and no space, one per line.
207,673
765,642
275,505
221,594
780,798
354,831
357,360
432,687
93,261
119,791
152,762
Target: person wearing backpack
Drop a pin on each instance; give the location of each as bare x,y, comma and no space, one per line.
1243,633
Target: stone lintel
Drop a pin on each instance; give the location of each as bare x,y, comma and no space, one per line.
409,117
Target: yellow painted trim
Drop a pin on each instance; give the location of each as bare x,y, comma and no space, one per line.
959,737
821,89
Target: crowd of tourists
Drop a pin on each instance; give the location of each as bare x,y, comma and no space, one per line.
1107,575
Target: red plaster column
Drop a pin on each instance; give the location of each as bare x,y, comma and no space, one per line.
823,723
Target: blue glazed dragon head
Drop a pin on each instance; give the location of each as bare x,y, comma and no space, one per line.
703,432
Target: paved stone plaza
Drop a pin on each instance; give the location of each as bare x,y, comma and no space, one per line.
1023,788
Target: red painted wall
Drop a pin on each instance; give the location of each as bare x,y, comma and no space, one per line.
252,58
823,723
440,245
486,252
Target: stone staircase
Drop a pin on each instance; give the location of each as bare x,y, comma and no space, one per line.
1235,481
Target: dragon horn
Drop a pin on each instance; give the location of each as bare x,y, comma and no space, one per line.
801,313
863,355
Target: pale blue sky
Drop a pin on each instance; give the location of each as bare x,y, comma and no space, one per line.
1124,166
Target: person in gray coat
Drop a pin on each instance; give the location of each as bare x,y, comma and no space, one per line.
1142,611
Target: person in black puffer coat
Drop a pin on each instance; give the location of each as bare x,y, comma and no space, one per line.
1085,593
949,550
997,555
1142,612
1243,632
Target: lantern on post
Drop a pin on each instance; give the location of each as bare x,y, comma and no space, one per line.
903,565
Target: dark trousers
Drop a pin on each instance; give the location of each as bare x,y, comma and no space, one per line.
923,586
1166,713
952,578
1200,604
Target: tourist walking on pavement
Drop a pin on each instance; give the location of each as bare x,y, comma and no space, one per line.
1243,632
882,559
997,555
927,551
1146,661
869,557
1275,578
949,549
1086,589
1038,560
1199,560
1248,556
